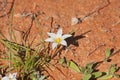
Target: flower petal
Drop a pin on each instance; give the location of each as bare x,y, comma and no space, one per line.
59,33
52,35
54,45
49,40
66,36
63,42
14,75
5,78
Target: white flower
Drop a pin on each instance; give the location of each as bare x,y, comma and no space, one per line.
10,77
57,38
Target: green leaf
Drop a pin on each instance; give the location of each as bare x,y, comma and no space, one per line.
107,55
48,59
87,77
73,31
97,74
42,77
89,70
82,69
90,65
37,76
105,77
113,69
73,65
62,60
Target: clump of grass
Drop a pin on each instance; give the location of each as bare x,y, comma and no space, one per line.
24,60
27,62
30,63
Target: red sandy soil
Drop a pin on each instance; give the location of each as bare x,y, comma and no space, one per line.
100,28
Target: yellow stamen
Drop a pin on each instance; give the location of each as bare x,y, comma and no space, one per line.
58,40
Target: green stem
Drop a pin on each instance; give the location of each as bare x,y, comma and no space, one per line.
56,51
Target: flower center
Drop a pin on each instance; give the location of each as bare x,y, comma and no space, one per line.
58,40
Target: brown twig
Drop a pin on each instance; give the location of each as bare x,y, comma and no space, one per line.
96,10
95,49
4,4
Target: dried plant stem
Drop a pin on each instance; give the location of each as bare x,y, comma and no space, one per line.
56,51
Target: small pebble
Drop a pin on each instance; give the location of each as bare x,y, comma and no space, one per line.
75,21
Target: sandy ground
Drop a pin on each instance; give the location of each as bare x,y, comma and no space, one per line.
98,30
